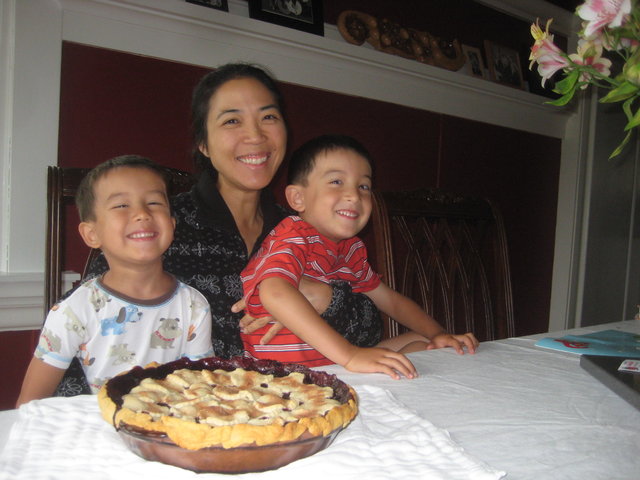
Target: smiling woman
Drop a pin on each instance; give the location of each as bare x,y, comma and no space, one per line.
245,145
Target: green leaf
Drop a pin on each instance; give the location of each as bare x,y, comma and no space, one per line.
626,108
620,147
634,118
623,92
634,122
562,101
568,83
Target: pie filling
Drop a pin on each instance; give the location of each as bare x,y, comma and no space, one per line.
228,403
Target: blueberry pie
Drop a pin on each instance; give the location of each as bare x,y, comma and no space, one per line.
224,403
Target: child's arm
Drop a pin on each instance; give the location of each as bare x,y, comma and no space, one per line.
319,295
409,314
40,381
285,302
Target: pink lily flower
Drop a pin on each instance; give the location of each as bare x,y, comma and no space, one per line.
590,54
628,43
608,26
608,40
600,14
548,55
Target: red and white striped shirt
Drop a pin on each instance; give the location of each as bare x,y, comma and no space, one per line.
295,248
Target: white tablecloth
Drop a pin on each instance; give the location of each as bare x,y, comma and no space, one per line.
532,413
67,439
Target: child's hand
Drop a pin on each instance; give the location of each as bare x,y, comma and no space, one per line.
458,342
381,360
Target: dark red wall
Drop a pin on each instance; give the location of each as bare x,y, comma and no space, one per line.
16,350
114,103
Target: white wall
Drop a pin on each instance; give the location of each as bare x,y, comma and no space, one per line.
31,35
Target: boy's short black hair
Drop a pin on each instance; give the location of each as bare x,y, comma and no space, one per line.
85,195
303,159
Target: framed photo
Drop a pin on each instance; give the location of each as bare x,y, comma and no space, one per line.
504,65
305,15
217,4
474,65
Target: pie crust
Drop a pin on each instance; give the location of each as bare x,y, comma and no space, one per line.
230,403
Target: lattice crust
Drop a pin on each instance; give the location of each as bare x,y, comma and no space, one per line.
229,408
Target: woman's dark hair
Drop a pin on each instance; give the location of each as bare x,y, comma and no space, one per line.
304,158
207,87
85,195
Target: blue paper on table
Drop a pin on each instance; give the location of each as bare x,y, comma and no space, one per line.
608,342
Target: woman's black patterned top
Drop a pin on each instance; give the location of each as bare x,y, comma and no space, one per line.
208,253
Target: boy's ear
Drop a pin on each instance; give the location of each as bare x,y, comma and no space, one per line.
88,234
295,197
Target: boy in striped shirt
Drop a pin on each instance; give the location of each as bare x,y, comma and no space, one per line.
330,189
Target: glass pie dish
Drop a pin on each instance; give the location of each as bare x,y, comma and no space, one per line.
244,459
157,432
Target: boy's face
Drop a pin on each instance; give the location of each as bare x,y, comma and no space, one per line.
133,225
337,197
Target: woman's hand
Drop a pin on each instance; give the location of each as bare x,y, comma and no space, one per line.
381,360
457,342
250,324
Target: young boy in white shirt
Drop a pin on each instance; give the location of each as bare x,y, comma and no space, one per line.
135,313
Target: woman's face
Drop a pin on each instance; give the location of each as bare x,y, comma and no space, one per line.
246,135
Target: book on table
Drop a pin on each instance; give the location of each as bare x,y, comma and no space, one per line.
614,343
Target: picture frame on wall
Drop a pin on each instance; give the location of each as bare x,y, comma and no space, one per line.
474,65
504,65
217,4
304,15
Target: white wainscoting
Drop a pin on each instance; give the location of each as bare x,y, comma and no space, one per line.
21,299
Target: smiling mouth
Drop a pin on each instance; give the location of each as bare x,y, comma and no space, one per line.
348,213
254,159
140,235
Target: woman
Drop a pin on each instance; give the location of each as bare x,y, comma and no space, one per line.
240,139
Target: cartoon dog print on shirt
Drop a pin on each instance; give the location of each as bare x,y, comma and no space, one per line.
121,355
73,323
98,298
115,325
166,333
48,342
85,356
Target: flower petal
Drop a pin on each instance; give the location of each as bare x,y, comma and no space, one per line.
603,13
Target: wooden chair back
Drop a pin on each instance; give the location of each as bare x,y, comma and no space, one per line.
62,184
449,254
